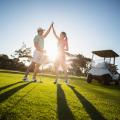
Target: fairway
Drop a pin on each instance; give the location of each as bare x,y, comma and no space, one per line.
46,101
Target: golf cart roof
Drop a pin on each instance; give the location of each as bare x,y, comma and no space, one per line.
106,53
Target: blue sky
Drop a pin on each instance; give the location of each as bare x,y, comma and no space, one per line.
89,24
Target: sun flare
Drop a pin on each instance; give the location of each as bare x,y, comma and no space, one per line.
52,53
51,49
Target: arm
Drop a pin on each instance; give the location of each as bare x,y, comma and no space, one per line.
55,33
36,43
37,46
47,32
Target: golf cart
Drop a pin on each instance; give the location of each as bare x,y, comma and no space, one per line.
104,72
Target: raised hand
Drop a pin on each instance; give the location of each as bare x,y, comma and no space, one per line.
52,24
54,32
47,32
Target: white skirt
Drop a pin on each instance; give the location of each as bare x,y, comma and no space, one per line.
38,57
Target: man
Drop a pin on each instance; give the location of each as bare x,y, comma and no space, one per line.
38,56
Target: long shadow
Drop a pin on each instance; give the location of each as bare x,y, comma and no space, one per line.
90,109
10,92
4,87
11,71
6,114
64,112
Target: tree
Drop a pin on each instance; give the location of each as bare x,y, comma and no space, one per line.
11,64
23,54
79,65
20,56
4,60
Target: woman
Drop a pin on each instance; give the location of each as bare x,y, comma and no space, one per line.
62,47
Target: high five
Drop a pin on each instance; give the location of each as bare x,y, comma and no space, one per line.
38,56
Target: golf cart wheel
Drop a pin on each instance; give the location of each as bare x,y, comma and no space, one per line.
107,79
89,79
116,82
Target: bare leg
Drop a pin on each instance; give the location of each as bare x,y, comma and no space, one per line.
36,71
65,71
57,71
32,65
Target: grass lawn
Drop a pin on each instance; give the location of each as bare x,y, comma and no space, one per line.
45,101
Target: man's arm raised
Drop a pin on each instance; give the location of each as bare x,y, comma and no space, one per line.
47,32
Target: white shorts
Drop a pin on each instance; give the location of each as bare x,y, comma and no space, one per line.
38,57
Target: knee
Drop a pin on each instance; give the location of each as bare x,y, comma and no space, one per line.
32,65
37,66
56,66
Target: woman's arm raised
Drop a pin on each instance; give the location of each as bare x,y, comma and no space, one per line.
54,32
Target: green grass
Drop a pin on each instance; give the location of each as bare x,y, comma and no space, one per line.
46,101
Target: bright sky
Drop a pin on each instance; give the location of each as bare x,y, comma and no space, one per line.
89,24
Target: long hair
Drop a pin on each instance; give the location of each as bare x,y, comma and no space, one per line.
65,35
65,42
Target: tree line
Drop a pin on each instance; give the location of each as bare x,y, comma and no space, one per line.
78,64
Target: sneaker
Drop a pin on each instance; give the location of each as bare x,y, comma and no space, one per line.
34,80
40,81
55,82
25,79
67,82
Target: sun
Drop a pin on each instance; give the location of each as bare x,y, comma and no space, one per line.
51,49
51,52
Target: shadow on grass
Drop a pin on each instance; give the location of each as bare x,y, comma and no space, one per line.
10,116
64,112
4,87
112,86
105,94
8,113
11,71
10,92
90,109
